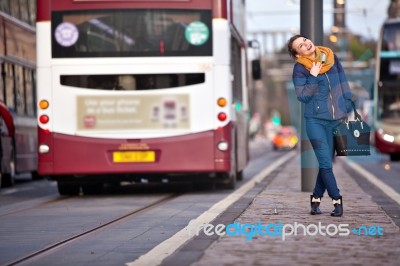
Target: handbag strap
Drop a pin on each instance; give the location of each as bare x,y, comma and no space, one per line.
357,116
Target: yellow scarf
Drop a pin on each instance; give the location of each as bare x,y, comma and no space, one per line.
307,61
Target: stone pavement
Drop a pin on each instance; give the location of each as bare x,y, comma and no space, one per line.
282,201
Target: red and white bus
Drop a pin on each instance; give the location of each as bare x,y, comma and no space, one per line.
387,90
18,123
141,89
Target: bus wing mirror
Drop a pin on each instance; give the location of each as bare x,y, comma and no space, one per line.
256,69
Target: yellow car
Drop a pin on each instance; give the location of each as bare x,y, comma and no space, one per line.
285,139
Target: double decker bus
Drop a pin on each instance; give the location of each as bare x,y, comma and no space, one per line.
387,90
18,126
133,90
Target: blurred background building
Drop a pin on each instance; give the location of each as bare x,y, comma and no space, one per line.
22,10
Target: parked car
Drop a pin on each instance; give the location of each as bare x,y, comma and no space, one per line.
285,139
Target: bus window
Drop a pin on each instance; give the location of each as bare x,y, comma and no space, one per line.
2,82
20,90
391,38
132,82
390,103
10,98
139,32
24,10
29,93
15,11
236,70
4,6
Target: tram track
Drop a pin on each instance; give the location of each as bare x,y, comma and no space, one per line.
59,244
57,199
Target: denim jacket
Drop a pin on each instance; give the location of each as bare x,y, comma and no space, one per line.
326,96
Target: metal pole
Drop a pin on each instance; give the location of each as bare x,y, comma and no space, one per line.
311,26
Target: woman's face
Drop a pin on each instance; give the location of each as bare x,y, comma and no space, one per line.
303,47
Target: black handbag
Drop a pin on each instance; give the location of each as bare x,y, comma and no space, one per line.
351,138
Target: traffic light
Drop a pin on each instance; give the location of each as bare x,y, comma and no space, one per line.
339,21
256,69
339,17
334,36
276,118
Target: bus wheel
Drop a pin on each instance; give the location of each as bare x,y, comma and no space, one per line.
36,176
238,173
232,183
395,157
228,181
239,176
92,189
67,188
9,178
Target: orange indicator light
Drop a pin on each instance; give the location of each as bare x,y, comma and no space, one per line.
43,104
221,102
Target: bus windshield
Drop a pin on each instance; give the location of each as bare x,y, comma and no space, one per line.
389,98
389,74
131,33
390,53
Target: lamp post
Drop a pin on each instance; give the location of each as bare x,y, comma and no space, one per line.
311,25
255,71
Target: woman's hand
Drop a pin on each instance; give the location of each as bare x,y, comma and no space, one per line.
316,67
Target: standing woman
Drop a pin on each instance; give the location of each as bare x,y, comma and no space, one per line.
321,84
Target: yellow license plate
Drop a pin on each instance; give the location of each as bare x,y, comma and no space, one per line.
134,156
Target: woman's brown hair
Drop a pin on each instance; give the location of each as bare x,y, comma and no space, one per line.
291,50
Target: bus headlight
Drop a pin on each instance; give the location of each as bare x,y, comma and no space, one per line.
223,146
44,149
388,137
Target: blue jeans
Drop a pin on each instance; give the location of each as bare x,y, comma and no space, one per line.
320,134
